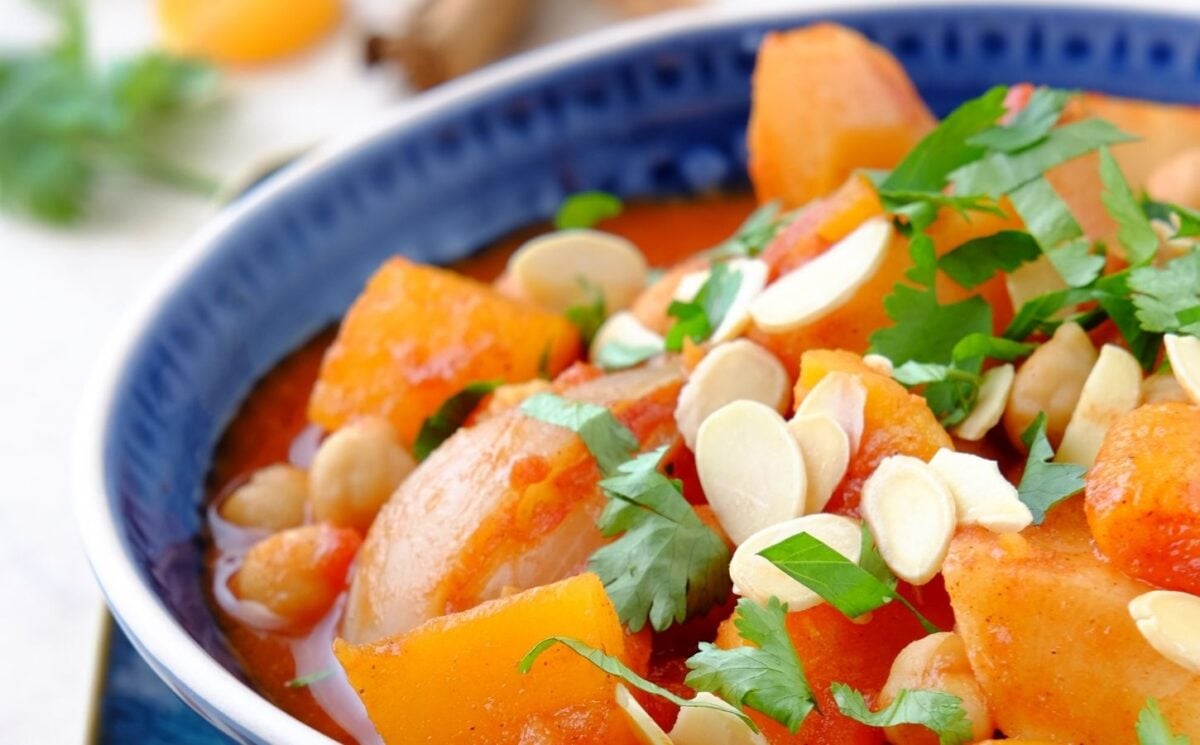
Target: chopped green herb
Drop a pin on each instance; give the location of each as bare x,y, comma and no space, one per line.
304,681
976,261
754,234
450,416
610,442
1031,124
1045,483
985,345
1136,235
1152,727
1076,263
1189,219
1046,216
1041,313
1160,294
699,317
768,678
939,712
618,356
586,208
589,317
1115,298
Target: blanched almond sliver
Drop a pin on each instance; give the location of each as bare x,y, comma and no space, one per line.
750,467
826,283
624,328
1184,354
735,371
989,406
556,270
982,496
879,364
1032,279
912,516
826,450
753,273
1170,621
758,579
1113,388
644,727
697,726
843,398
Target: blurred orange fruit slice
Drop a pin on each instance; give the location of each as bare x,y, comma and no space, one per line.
244,31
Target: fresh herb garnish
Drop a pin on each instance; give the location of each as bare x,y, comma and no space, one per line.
1188,219
586,208
753,235
939,712
1031,124
768,678
1161,294
698,318
450,416
978,260
1136,235
1152,727
610,442
617,355
304,681
588,317
1045,483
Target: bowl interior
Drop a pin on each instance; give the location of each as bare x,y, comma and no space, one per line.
646,111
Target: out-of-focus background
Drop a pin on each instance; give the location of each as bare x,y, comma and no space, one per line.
84,227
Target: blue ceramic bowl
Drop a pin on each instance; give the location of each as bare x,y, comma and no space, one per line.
652,108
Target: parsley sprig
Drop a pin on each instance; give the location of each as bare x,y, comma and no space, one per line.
1152,727
1044,483
451,416
699,317
939,712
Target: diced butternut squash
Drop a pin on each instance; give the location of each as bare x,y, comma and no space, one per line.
455,678
509,502
1143,502
827,102
1051,640
895,422
823,223
418,334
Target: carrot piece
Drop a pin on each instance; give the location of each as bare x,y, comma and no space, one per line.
826,102
243,31
418,334
1143,495
476,693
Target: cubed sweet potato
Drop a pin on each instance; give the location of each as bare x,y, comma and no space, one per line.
455,678
418,334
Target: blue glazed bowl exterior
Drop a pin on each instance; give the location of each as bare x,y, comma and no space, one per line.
651,109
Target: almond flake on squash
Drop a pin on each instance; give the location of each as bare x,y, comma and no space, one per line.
758,579
750,467
708,726
645,728
879,364
826,450
989,408
1170,622
624,328
1184,354
826,283
912,516
843,398
754,273
982,496
1112,388
735,371
558,270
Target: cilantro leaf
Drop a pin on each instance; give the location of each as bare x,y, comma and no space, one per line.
985,345
921,207
1136,235
617,355
586,208
976,261
1040,313
304,681
1189,219
1031,124
925,330
1115,298
1044,483
1161,293
698,318
754,234
618,669
939,712
450,416
1152,727
1046,216
1076,263
668,565
768,678
610,442
589,317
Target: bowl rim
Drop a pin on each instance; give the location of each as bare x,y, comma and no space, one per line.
155,633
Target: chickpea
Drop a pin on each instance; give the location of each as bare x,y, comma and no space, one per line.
354,472
1160,388
273,499
1177,180
1050,381
298,573
937,662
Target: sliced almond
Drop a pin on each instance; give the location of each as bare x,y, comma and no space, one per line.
645,728
754,273
1032,279
558,269
912,516
739,370
1170,621
1184,355
982,496
843,398
750,467
1112,388
758,579
826,283
826,450
712,726
989,408
879,364
624,328
1163,387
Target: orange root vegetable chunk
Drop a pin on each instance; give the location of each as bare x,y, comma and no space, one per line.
1050,639
1143,495
895,422
827,102
508,503
418,334
455,678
